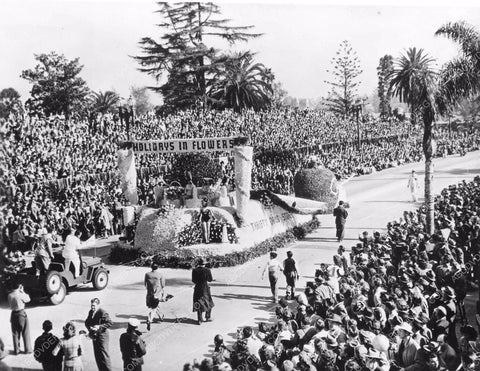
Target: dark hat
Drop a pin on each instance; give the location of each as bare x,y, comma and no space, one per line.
368,312
335,318
200,261
432,347
331,341
421,319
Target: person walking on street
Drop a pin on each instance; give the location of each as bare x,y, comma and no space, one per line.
291,274
202,299
340,214
274,268
132,346
155,284
413,185
98,322
43,349
18,319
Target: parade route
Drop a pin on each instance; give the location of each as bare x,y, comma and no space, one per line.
241,297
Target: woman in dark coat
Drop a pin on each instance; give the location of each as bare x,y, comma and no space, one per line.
202,299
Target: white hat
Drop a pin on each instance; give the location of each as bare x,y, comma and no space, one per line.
405,327
133,322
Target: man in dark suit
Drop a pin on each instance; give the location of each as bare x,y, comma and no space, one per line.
340,214
44,345
98,322
202,299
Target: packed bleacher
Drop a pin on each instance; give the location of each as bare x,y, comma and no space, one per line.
396,302
57,173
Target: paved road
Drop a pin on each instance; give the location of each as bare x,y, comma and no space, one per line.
241,297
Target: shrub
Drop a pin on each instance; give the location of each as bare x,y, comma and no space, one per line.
317,184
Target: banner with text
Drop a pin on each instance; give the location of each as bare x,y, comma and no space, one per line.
183,145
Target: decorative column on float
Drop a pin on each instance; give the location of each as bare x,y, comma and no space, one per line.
243,179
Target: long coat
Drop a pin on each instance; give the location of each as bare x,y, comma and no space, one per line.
100,338
202,299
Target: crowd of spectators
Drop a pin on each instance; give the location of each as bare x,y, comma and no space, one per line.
57,173
395,303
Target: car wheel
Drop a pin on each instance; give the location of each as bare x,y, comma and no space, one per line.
100,279
53,281
59,297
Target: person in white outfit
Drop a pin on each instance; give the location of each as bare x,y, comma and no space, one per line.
413,185
70,253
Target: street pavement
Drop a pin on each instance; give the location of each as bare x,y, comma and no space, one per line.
241,296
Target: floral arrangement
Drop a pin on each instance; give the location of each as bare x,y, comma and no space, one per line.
192,234
174,192
216,232
266,201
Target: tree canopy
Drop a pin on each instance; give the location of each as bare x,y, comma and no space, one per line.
384,72
183,54
57,87
242,84
9,102
346,70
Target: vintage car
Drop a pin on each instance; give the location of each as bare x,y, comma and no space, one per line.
56,281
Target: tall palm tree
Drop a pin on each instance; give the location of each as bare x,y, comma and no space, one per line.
414,82
242,84
460,77
105,102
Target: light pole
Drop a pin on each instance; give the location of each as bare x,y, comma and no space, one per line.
357,109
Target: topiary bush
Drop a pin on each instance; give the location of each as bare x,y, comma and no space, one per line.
317,184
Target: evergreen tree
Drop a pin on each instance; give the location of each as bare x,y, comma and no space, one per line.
10,103
346,70
57,88
384,72
183,53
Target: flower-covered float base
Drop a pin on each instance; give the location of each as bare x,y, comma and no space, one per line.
172,231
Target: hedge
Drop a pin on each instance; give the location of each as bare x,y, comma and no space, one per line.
315,184
134,256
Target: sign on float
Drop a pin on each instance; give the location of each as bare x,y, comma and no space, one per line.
183,145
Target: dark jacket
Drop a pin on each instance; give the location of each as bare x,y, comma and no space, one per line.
133,347
101,318
340,214
42,352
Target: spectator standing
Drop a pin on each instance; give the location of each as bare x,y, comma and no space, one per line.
274,268
132,346
43,349
98,322
291,274
70,253
43,253
3,354
408,347
202,299
71,346
155,283
18,319
340,214
413,185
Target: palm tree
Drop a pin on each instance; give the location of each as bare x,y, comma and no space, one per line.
105,102
414,82
242,84
460,77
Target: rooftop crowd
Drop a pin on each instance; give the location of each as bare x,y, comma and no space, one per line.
57,174
394,303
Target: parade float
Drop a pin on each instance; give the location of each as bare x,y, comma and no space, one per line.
246,223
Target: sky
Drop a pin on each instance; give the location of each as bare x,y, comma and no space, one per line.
299,38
